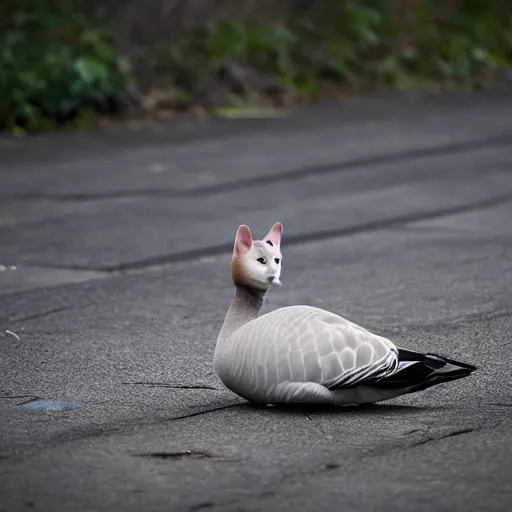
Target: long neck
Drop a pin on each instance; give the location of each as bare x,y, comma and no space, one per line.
245,306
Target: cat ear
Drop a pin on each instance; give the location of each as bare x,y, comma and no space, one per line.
243,240
275,234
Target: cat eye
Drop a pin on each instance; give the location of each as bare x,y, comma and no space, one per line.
261,260
277,260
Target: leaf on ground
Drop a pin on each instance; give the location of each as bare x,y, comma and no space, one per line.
248,112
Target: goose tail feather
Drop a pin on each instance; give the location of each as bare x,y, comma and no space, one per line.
418,371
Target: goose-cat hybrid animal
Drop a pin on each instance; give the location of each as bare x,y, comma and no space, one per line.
303,354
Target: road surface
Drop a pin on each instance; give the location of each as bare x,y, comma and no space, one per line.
115,252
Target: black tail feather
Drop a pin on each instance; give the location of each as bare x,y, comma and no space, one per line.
419,371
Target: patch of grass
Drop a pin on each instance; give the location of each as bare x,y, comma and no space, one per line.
246,111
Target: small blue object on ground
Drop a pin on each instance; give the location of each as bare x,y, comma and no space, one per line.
47,405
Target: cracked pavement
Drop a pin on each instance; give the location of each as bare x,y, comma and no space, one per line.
114,282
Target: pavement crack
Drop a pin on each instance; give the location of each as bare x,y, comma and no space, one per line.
39,315
413,431
323,468
430,439
205,411
29,398
426,436
278,177
348,165
170,386
317,424
90,197
203,506
185,454
118,427
303,238
331,466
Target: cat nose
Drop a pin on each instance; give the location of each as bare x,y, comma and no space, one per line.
274,280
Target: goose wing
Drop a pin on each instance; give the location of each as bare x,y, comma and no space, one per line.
311,344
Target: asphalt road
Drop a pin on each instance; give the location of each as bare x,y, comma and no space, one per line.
115,279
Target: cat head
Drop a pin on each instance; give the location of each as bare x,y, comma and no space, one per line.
257,263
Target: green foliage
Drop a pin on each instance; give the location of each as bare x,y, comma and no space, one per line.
56,65
473,39
336,39
358,43
267,47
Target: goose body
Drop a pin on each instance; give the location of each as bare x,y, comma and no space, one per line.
304,354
